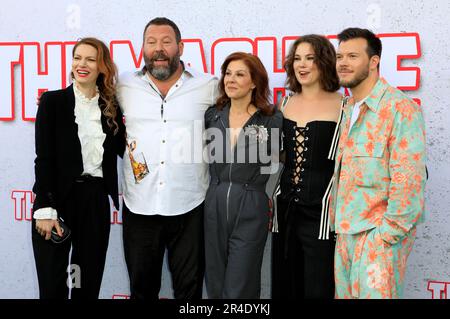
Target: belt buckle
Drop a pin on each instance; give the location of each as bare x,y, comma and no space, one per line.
79,179
83,178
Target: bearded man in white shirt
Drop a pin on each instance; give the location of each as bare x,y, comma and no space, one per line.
164,176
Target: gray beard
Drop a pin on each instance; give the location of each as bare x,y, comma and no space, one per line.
162,73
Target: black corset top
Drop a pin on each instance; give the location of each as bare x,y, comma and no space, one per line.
307,167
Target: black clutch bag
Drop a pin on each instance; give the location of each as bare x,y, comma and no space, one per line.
65,232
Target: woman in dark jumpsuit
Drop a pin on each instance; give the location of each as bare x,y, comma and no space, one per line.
303,249
243,134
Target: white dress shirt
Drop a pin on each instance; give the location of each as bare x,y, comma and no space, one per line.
168,137
90,132
91,136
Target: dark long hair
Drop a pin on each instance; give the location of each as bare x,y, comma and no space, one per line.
106,80
325,59
261,92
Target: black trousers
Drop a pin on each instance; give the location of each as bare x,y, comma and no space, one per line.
87,213
302,264
145,240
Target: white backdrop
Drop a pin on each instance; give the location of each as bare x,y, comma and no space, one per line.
35,46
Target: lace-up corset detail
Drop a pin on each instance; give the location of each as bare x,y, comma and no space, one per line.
300,149
307,168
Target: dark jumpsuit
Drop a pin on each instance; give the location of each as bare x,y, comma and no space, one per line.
236,204
302,264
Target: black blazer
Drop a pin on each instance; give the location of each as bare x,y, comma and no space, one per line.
58,150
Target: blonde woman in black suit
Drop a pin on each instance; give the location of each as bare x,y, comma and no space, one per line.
79,133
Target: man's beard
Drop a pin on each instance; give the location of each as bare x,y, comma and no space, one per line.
359,77
162,73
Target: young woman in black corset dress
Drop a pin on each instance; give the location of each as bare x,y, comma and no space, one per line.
303,249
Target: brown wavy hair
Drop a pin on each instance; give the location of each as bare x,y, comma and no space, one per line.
106,80
324,58
261,92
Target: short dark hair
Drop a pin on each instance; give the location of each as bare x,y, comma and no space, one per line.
374,46
325,59
164,21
